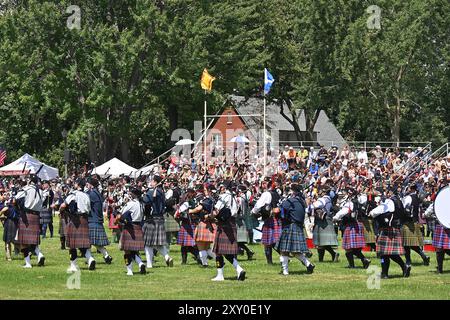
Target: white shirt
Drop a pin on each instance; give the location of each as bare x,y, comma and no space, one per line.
346,209
264,200
386,206
33,197
169,194
82,200
407,201
227,199
135,207
321,203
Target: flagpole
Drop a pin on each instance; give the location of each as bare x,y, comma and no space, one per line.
204,139
264,140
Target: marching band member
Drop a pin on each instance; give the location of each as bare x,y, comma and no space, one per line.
353,239
324,234
46,216
243,212
154,228
411,234
9,217
97,234
292,239
78,206
389,242
132,239
225,242
29,201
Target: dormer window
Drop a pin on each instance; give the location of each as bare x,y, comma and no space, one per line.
229,117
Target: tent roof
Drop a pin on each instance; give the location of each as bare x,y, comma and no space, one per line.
28,164
115,168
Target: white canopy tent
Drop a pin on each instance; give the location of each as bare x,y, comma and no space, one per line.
29,165
114,168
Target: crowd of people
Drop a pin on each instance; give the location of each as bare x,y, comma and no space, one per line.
378,198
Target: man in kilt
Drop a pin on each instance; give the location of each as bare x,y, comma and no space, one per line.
353,238
132,238
188,222
411,233
46,216
10,220
324,233
367,203
29,203
153,228
206,228
389,242
63,218
243,213
292,239
267,208
97,233
173,194
225,242
78,207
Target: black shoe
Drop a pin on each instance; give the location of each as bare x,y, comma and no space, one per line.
426,261
41,262
310,268
169,262
439,271
250,255
407,271
241,276
92,265
108,259
366,263
142,269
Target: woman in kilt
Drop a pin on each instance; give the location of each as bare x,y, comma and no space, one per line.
292,240
441,239
132,238
389,242
78,206
411,232
324,233
225,242
10,220
353,238
206,228
186,235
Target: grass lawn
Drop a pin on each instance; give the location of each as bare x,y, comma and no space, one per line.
329,280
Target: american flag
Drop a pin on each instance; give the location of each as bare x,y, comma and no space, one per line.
2,155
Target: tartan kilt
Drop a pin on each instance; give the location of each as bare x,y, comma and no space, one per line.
242,234
154,232
186,236
225,241
62,225
97,235
29,229
369,231
171,224
205,232
441,237
390,242
271,231
292,239
324,233
10,230
132,238
353,237
251,222
411,235
78,232
45,217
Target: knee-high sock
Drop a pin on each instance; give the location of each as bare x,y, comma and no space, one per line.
236,266
211,253
385,262
420,252
244,246
50,227
184,254
73,254
321,253
349,256
194,251
359,254
440,260
397,259
250,236
302,258
268,253
219,262
407,255
149,255
164,252
330,250
102,251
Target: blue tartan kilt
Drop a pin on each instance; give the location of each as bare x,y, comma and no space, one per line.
441,237
292,239
154,232
97,235
46,216
271,231
353,237
324,233
186,235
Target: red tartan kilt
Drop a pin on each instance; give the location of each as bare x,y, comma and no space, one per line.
132,238
29,229
441,237
78,232
353,237
205,232
186,234
225,241
271,231
390,242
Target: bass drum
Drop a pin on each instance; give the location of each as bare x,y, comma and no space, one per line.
442,206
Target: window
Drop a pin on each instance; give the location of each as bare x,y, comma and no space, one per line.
229,118
216,139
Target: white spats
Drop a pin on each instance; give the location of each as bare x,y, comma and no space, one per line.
27,262
149,256
285,264
219,276
303,259
211,254
203,257
73,266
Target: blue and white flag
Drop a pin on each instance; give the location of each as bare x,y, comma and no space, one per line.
268,81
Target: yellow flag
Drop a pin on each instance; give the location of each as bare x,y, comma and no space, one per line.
207,80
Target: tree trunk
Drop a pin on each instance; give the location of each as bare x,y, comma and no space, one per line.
125,149
92,146
396,127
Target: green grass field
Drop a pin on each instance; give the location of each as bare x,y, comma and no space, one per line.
191,282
